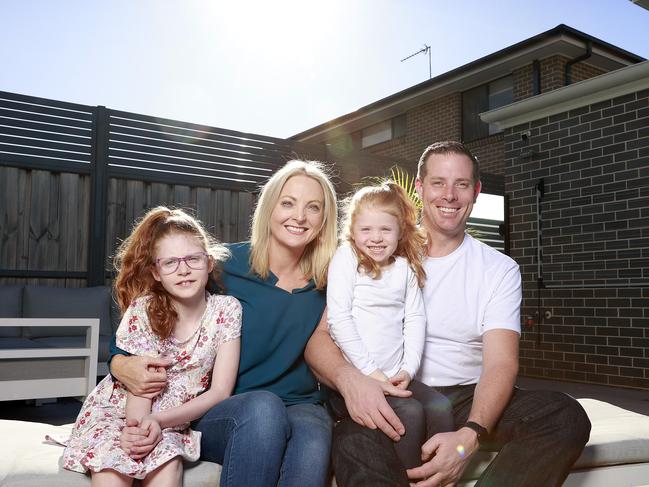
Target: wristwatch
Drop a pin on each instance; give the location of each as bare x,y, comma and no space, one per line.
481,431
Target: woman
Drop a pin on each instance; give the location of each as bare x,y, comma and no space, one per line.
274,430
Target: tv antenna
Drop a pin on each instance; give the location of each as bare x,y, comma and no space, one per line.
424,50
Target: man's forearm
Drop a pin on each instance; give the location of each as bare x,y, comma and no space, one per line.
326,360
496,384
491,396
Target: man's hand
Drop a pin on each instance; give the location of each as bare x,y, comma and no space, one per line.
401,380
445,457
366,404
142,376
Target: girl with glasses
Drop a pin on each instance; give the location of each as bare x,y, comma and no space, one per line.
163,271
274,431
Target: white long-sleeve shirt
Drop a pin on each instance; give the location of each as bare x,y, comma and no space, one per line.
377,323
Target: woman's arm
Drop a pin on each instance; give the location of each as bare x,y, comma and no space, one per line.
224,376
141,373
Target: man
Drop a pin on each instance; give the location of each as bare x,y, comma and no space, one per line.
472,297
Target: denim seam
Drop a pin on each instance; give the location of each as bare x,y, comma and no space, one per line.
229,451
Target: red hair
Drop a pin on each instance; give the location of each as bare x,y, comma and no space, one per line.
134,262
393,199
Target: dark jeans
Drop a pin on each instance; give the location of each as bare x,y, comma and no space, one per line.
424,414
539,437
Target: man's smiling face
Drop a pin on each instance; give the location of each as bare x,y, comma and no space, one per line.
448,193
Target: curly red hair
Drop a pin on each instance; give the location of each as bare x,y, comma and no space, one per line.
393,199
134,262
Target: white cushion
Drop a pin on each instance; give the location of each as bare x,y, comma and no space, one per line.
29,461
618,437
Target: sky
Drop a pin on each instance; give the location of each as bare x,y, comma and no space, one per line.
271,67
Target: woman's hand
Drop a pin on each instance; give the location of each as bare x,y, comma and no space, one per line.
401,379
142,376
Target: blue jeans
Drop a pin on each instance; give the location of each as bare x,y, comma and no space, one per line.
261,442
539,436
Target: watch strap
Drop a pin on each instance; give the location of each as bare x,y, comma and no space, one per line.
480,430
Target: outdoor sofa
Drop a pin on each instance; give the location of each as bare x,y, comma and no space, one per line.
617,455
64,355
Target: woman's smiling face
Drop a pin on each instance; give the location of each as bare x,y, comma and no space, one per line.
297,216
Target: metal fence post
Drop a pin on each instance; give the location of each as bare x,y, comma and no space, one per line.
98,199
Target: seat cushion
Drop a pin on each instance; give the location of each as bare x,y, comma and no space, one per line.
617,436
11,304
29,461
60,302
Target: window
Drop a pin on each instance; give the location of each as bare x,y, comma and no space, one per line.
492,95
383,131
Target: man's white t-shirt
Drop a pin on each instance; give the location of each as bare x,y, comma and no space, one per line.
468,292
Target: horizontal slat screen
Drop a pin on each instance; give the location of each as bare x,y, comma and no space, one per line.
169,150
488,231
40,132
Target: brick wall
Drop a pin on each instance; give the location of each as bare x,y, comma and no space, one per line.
553,72
522,82
491,153
595,213
436,120
552,75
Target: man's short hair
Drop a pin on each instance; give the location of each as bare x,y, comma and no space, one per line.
447,147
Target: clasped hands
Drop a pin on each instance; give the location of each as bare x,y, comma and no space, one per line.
148,379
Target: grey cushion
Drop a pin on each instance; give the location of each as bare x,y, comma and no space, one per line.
11,303
58,302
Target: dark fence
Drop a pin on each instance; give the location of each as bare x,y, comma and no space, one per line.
73,178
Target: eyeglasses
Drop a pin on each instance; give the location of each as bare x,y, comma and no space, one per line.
169,265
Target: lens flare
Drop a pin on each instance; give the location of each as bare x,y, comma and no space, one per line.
460,451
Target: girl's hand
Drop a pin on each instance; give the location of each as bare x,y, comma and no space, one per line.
379,375
144,446
401,379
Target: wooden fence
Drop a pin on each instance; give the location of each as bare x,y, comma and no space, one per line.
73,178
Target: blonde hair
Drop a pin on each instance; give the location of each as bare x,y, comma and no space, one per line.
135,260
392,199
317,254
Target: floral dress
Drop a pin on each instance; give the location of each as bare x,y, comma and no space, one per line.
94,442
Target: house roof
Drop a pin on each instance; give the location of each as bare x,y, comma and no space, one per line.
560,40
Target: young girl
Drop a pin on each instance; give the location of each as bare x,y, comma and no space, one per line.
375,309
163,269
